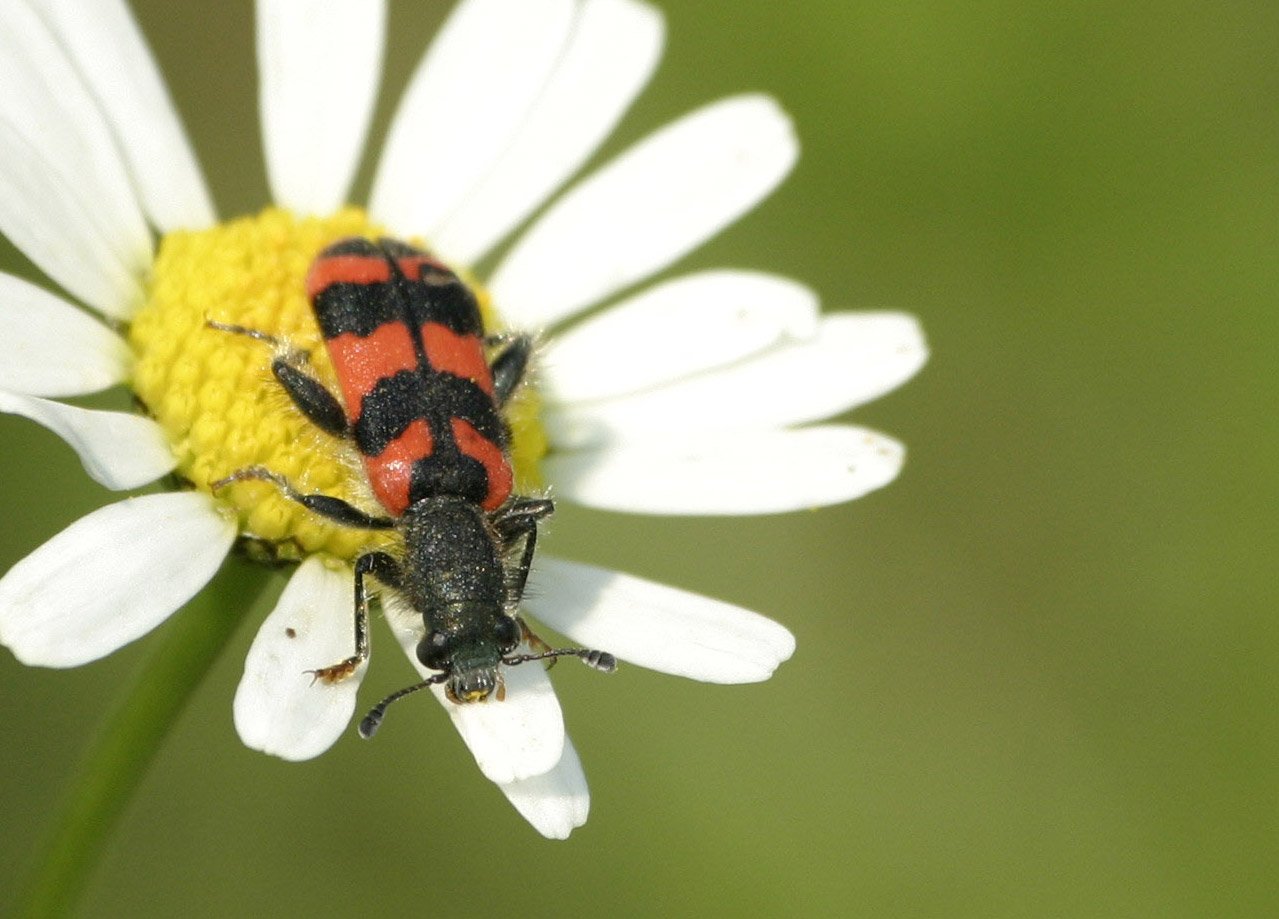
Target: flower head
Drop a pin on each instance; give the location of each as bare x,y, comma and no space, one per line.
696,395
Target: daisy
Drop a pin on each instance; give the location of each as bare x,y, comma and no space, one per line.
100,189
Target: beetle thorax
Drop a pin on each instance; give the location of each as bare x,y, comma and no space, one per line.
453,568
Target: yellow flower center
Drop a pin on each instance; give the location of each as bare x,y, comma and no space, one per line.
215,395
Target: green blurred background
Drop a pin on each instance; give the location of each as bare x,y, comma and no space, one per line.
1035,676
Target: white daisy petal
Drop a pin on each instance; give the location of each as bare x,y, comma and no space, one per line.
514,739
119,450
108,50
42,214
612,52
52,348
467,100
655,626
742,472
519,737
319,62
645,209
44,102
853,358
556,802
111,577
693,323
280,708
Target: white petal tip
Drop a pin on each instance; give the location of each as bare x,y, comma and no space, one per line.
656,626
280,708
732,473
556,802
118,450
111,577
774,645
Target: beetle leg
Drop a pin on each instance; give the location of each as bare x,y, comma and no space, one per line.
533,640
256,334
385,569
509,367
519,522
326,506
312,397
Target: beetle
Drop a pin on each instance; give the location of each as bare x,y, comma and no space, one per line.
422,404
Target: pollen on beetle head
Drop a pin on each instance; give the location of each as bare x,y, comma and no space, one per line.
215,395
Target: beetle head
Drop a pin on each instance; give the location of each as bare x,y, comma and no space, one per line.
469,656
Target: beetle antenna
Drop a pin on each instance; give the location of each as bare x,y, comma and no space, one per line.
373,720
599,660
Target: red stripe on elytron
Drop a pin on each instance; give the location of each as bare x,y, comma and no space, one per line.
361,362
496,466
346,269
412,265
391,471
460,355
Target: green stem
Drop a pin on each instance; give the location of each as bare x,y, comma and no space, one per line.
130,736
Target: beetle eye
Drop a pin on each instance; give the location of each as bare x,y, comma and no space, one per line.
507,632
433,651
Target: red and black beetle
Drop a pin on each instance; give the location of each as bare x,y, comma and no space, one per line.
423,405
